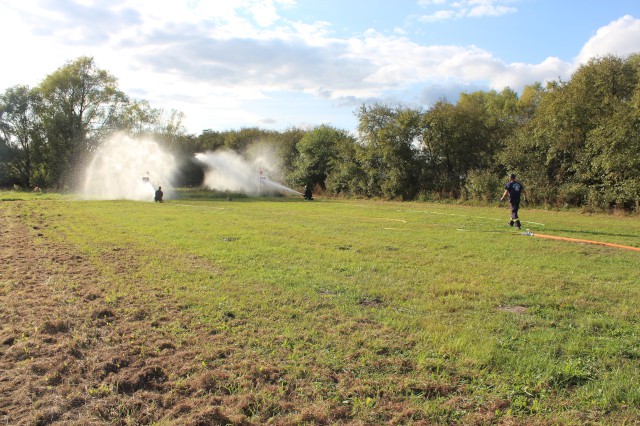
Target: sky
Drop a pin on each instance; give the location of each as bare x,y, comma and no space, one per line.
277,64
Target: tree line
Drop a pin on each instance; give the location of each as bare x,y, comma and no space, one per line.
572,143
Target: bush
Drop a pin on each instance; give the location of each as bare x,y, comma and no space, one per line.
482,185
573,194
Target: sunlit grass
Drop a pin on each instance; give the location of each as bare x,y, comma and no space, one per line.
404,302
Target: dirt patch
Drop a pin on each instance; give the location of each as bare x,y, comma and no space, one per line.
370,301
70,353
516,309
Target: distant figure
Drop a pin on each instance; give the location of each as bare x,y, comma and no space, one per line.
513,189
307,193
159,194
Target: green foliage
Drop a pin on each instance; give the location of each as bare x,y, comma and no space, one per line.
573,143
450,139
347,176
21,135
78,102
47,132
483,185
580,143
462,141
317,157
389,138
137,118
209,140
240,140
286,151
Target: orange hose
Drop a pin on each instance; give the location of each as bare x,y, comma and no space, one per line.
577,240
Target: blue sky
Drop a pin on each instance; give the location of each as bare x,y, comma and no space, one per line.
228,64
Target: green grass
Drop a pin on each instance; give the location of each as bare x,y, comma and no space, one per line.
440,308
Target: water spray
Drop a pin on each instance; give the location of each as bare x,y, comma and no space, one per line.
229,171
261,181
124,168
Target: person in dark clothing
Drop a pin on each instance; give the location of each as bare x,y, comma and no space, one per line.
514,190
158,196
307,193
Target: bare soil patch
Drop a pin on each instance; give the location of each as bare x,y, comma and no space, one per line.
71,354
517,309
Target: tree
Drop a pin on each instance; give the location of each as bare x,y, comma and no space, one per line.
529,102
240,140
612,177
81,105
526,155
171,130
578,140
606,164
285,143
21,131
137,117
453,141
389,137
347,174
209,140
317,149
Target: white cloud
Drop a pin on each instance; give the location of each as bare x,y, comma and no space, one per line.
440,15
465,9
518,75
264,13
489,10
620,38
400,63
430,2
240,63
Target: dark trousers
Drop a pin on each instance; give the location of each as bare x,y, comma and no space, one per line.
514,209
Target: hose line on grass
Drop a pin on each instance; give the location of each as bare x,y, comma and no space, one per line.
578,240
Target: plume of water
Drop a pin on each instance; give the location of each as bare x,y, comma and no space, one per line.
229,171
279,187
128,168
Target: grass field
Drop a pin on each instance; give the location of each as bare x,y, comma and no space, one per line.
248,311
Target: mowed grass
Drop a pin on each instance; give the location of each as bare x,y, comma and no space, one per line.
438,313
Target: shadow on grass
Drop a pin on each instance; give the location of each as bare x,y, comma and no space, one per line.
203,195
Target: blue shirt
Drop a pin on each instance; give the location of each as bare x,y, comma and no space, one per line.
514,188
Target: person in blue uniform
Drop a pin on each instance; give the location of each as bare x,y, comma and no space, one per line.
514,190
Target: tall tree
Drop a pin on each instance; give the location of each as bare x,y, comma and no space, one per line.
390,149
347,175
607,167
137,117
209,140
453,140
578,142
316,149
21,134
285,143
527,150
80,106
240,140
